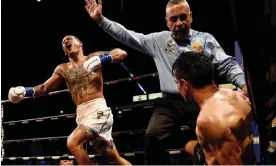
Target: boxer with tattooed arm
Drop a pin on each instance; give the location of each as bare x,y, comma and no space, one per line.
83,77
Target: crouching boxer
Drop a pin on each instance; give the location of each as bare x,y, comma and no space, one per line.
223,125
83,77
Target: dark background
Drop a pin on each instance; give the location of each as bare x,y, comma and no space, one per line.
32,33
31,49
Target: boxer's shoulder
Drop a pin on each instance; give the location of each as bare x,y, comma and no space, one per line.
217,109
63,65
237,99
211,109
59,68
89,56
62,68
219,98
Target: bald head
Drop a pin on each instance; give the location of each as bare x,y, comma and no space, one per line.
179,18
177,2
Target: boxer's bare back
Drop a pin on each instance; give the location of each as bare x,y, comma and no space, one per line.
224,129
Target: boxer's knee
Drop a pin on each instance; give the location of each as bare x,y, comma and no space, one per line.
77,138
190,146
72,145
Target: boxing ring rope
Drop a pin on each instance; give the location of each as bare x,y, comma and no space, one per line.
26,121
108,83
68,116
38,120
121,108
114,134
2,133
126,154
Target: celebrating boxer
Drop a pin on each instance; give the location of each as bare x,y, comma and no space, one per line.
223,125
164,47
83,77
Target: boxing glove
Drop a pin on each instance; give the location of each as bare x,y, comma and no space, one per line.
95,62
16,94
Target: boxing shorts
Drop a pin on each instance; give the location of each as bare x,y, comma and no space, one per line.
98,119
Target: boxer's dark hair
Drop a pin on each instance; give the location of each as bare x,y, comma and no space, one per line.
78,40
194,67
176,2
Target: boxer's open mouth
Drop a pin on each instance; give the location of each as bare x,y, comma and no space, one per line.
68,45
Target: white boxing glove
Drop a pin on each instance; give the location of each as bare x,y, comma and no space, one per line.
95,62
92,64
16,94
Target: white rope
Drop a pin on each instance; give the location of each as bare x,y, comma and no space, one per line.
114,134
171,151
129,79
120,108
2,133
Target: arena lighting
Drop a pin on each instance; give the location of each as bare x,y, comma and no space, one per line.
140,98
150,96
153,96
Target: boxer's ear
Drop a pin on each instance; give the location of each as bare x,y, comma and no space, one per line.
182,81
186,84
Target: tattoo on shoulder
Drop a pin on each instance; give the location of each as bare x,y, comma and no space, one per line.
243,127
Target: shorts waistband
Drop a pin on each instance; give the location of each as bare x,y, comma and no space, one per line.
92,103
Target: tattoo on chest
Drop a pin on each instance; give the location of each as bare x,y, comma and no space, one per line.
77,80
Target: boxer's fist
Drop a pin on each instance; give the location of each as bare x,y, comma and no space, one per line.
16,94
117,55
92,64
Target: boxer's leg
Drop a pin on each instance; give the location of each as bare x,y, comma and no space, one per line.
115,159
190,146
100,129
108,150
74,143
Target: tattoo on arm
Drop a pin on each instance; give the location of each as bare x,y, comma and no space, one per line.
51,84
98,53
40,90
